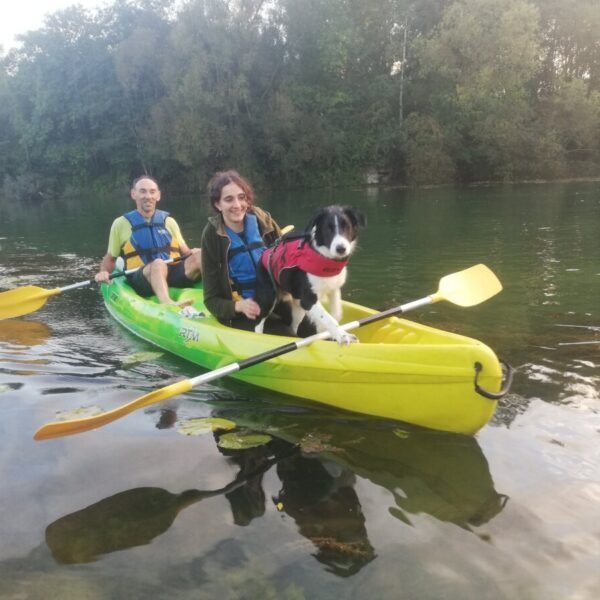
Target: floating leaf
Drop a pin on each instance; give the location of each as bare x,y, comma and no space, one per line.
241,441
401,433
204,425
140,357
78,413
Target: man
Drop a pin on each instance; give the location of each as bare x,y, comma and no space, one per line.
147,237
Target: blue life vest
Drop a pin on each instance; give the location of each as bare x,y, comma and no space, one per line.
149,240
244,256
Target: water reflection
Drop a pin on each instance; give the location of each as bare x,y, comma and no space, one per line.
131,518
319,495
21,332
444,475
316,459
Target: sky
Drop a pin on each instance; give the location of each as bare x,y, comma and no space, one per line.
19,16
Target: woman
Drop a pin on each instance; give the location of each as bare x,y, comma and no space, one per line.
232,243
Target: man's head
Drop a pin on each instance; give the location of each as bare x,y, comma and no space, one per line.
145,193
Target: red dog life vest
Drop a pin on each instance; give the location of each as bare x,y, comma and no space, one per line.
293,253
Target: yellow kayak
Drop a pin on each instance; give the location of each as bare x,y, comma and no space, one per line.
399,370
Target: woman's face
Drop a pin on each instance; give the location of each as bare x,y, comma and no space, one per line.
233,205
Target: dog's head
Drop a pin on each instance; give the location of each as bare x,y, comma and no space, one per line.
333,231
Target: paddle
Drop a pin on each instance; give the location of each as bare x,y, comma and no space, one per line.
133,517
25,300
464,288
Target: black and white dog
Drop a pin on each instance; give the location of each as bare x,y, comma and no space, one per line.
303,269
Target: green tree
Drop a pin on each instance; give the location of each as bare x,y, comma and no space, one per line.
571,44
479,64
68,110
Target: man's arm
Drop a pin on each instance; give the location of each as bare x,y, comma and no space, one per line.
109,260
107,266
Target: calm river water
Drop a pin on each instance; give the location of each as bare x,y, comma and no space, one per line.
336,505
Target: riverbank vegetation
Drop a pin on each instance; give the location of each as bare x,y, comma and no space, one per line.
304,92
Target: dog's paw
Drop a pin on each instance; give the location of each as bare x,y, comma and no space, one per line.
343,337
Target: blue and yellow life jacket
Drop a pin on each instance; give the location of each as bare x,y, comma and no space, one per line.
244,256
149,240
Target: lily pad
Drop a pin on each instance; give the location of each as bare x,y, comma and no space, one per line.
401,433
204,425
79,413
242,441
140,357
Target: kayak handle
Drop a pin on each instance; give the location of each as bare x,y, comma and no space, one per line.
508,372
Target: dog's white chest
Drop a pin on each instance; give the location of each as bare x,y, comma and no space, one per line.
323,286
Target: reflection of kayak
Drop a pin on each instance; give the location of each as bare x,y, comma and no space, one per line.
400,370
444,475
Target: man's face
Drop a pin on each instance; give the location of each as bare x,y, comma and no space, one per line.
145,194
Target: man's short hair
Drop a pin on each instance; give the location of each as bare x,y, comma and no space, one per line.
135,181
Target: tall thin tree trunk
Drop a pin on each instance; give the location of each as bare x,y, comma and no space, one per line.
402,65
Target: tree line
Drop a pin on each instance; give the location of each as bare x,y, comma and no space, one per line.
303,92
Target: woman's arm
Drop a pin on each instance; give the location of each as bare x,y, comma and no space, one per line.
217,290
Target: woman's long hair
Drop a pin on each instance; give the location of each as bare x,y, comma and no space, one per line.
222,178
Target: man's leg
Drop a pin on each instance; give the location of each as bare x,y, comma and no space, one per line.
179,277
193,265
156,273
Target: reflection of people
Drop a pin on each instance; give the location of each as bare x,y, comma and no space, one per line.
248,500
232,243
147,237
322,501
320,497
440,474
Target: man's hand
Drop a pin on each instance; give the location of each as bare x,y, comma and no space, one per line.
102,277
106,268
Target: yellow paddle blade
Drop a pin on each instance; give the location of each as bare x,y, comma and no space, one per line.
62,428
287,229
24,300
469,287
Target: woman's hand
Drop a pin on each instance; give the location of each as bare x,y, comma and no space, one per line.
248,307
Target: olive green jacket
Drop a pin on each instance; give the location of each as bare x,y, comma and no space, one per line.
215,266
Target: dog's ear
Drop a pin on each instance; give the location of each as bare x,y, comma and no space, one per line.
317,216
357,218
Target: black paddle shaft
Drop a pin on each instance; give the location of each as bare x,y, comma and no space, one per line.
286,348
